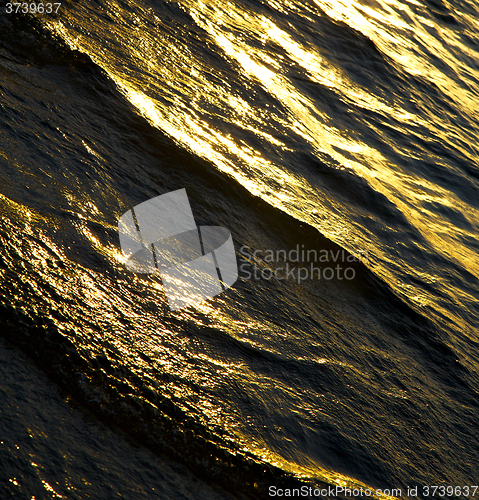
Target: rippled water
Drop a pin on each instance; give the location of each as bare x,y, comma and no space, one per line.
310,125
50,446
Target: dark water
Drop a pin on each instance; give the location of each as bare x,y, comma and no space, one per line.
50,447
321,126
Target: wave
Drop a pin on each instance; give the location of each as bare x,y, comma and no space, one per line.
185,385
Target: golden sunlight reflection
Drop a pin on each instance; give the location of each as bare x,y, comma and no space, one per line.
405,42
382,176
324,73
309,469
189,92
175,87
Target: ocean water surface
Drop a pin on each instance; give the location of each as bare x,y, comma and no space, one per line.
343,128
